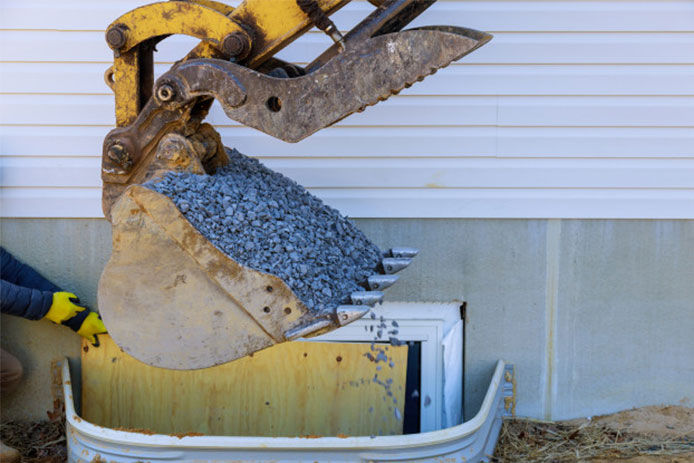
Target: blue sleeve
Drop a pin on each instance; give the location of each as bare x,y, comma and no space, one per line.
17,273
29,303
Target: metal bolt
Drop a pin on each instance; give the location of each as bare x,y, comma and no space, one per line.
274,104
165,92
236,45
118,154
115,151
116,37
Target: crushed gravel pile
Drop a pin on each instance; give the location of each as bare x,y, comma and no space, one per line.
270,223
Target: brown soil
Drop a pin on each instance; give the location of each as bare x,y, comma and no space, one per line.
643,435
666,422
684,458
38,442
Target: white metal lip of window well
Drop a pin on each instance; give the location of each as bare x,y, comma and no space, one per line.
471,441
428,323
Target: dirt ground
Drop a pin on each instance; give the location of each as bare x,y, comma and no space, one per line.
684,458
38,442
667,422
642,435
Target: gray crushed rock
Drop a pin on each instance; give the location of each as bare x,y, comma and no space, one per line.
378,353
268,222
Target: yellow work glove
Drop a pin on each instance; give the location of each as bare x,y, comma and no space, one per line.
91,326
65,306
87,324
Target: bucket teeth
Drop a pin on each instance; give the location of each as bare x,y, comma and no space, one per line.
403,252
301,331
381,282
369,298
348,313
394,264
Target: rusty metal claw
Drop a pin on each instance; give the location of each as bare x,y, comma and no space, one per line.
368,72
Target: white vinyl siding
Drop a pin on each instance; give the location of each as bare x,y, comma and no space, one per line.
576,109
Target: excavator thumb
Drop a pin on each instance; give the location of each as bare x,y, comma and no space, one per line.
292,109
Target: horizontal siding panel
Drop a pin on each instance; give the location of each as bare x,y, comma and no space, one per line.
487,173
392,142
575,48
401,173
81,78
50,172
57,110
336,142
52,141
596,142
547,111
51,202
98,110
596,111
509,15
376,203
577,108
506,48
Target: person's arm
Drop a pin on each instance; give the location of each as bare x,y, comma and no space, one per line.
25,293
29,303
20,274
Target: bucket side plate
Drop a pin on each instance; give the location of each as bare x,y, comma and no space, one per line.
171,299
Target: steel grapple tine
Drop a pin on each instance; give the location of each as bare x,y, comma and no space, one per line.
402,252
369,298
381,282
346,314
301,331
394,264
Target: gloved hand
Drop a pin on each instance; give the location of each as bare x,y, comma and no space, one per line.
87,324
65,306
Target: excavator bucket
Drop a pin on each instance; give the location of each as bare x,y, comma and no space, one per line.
174,295
176,298
161,264
171,299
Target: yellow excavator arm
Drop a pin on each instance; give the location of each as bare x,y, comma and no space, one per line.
253,32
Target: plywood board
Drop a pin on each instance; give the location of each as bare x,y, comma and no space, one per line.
291,389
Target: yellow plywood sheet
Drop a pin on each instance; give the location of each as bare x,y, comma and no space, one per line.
291,389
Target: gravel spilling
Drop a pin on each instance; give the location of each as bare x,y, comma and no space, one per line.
379,353
268,222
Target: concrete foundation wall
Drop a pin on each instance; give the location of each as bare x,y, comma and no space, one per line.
595,314
71,253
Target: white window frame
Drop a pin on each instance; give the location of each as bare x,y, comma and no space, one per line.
422,322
